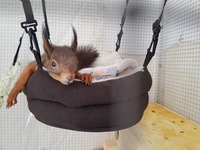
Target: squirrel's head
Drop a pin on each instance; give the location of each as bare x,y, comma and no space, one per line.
61,61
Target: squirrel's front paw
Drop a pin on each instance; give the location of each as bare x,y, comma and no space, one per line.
86,78
12,99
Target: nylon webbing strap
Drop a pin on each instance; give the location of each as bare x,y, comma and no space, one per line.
156,30
45,18
18,48
160,17
119,36
30,27
34,44
28,11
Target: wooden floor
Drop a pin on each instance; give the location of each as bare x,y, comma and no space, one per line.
161,129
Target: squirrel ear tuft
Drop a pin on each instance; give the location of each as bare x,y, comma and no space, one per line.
74,42
48,48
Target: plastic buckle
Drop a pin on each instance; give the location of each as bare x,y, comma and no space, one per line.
26,26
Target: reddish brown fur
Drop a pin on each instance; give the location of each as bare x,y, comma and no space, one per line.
62,64
19,85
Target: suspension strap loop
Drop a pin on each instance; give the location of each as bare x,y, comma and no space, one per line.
30,21
18,48
119,36
30,26
45,18
35,51
156,30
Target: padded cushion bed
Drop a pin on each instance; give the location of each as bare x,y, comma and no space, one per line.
103,106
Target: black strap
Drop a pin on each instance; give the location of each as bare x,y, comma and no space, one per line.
30,21
34,43
119,36
30,27
28,11
156,30
45,19
18,48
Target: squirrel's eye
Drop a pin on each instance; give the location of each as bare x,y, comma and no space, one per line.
53,64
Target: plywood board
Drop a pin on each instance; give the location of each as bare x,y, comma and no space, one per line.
161,129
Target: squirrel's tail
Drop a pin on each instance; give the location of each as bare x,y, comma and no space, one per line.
86,55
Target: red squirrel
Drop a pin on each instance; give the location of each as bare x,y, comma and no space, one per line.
61,62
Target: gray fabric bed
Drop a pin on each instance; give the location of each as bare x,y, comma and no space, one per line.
104,106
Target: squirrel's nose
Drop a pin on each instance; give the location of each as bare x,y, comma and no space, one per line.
69,79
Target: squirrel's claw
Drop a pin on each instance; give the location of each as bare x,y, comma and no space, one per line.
86,78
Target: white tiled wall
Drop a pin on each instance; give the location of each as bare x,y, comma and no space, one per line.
179,59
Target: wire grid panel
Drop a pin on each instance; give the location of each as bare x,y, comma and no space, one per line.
97,23
13,127
179,59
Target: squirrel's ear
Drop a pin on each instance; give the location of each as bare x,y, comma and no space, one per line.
48,48
74,42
